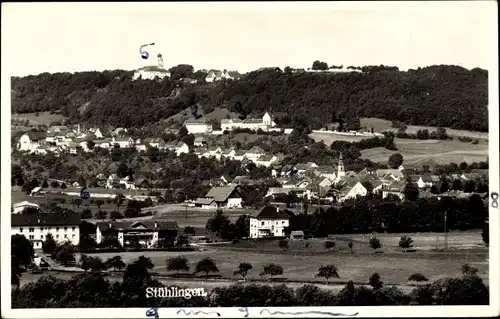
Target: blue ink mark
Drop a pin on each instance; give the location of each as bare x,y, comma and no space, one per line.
245,310
333,314
189,312
153,312
144,53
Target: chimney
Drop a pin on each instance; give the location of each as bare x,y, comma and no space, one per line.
156,225
277,208
110,225
38,221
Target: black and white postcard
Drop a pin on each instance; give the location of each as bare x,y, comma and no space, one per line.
250,159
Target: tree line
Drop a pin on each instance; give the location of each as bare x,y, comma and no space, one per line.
439,95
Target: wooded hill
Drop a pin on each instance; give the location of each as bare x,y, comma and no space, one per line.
441,95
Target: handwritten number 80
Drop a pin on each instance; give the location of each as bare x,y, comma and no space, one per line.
494,198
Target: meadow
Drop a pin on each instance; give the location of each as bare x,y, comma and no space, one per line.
43,118
301,264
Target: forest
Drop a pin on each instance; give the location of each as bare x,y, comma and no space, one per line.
440,95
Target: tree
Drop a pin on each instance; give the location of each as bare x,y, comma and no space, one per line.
350,244
78,201
457,185
411,192
119,199
221,226
395,160
86,243
418,277
243,270
49,245
242,227
206,265
115,263
375,243
317,65
63,186
145,261
115,215
86,214
375,281
99,203
45,184
54,184
283,244
93,263
182,240
328,271
468,270
485,234
136,274
329,244
272,270
177,263
405,242
65,254
444,187
102,214
21,250
189,230
122,170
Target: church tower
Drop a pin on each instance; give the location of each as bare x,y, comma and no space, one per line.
340,168
160,61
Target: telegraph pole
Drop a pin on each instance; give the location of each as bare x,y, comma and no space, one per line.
445,230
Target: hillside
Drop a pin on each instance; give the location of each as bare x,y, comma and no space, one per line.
442,95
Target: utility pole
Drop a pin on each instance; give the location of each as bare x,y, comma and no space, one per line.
186,207
445,230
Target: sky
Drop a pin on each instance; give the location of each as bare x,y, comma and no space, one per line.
59,37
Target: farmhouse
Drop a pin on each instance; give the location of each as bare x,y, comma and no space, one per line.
30,141
352,189
35,227
264,123
200,141
215,75
179,148
123,142
146,233
269,222
223,197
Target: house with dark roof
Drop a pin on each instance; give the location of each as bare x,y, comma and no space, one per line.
270,221
396,188
64,227
221,197
146,233
30,141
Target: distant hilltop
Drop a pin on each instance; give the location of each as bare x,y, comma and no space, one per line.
440,95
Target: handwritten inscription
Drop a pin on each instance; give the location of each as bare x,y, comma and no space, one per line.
144,53
332,314
189,312
494,199
153,312
245,310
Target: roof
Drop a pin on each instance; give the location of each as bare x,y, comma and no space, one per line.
265,158
49,219
221,194
396,187
25,203
204,201
199,139
297,233
271,212
253,121
36,136
147,225
256,150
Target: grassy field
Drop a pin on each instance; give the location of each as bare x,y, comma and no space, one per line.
418,151
301,264
381,125
42,118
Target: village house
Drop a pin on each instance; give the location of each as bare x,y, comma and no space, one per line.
307,167
269,222
139,147
178,147
394,174
147,233
36,227
396,188
105,143
351,189
216,75
157,142
30,141
114,181
266,160
221,197
254,153
425,181
297,235
304,192
291,182
200,126
326,172
123,142
200,141
96,132
229,153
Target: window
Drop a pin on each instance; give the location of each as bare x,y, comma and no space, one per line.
73,236
57,236
41,228
65,236
65,228
262,224
282,222
21,230
57,228
73,228
41,236
32,237
32,229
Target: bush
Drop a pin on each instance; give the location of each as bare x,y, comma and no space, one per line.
405,242
375,243
375,281
418,277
